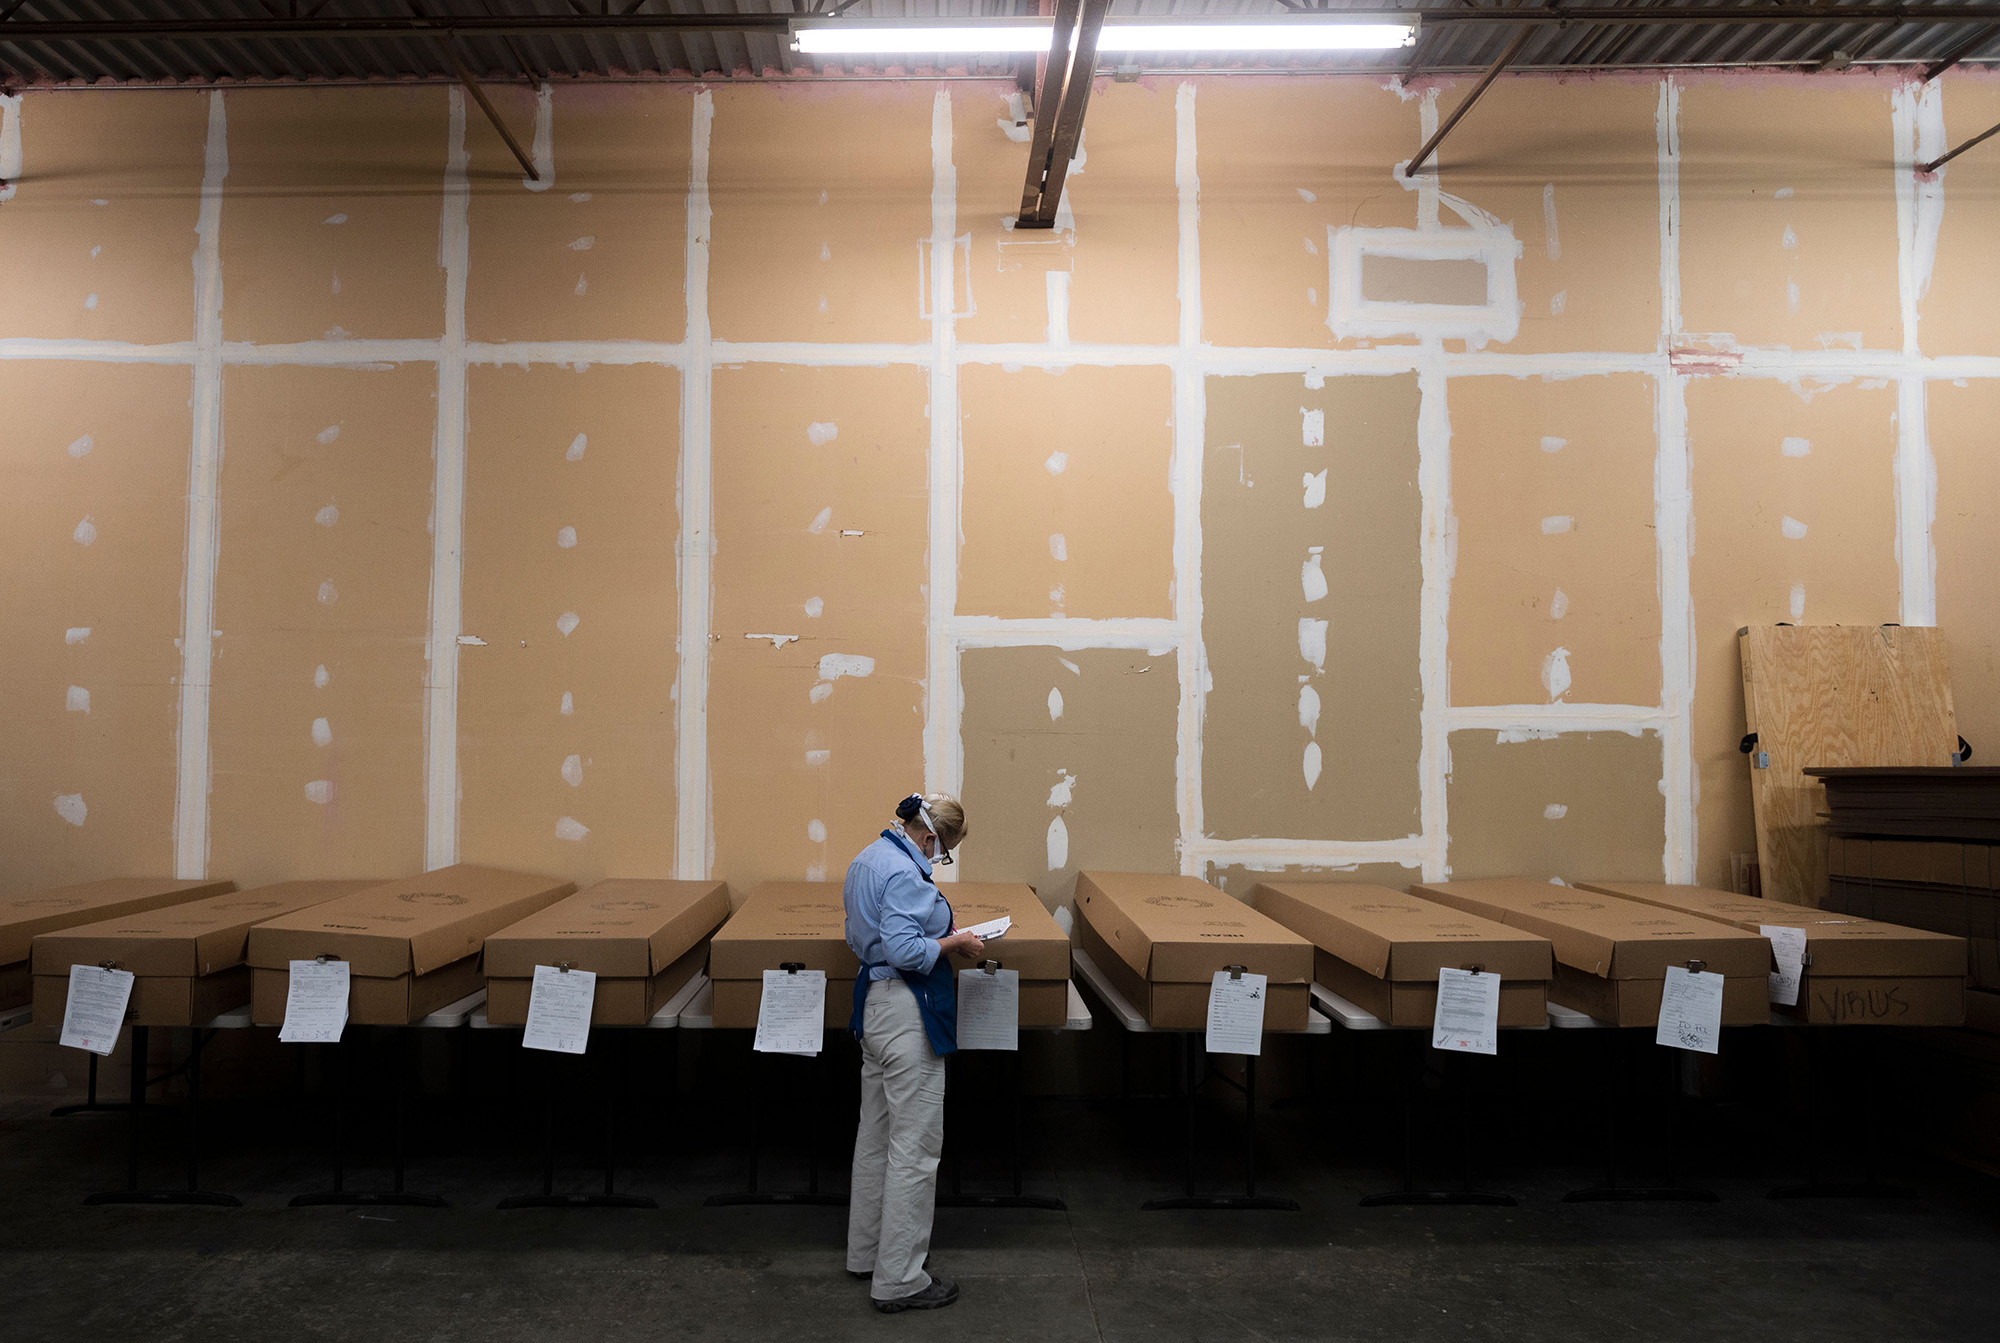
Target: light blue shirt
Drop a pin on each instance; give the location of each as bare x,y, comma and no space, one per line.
894,915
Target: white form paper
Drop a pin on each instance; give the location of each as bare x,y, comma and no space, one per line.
1468,1012
96,1007
559,1010
315,1003
1236,1014
1788,946
1690,1011
989,1009
992,930
791,1017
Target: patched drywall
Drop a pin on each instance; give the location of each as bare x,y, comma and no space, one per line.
1581,806
1069,764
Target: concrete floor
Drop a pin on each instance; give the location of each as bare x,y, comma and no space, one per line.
1747,1267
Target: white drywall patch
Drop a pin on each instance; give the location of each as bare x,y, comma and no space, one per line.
1555,674
1056,462
1055,703
777,640
571,829
1555,811
820,433
81,447
1315,484
1551,241
568,704
1557,525
1790,242
471,641
566,622
575,451
328,434
1056,285
565,537
10,144
77,700
1557,302
1058,546
86,531
572,770
1063,791
820,520
1311,578
1798,606
70,806
328,593
816,830
1793,529
1552,444
320,678
1559,605
322,732
1312,642
543,151
1796,447
1312,427
76,634
1311,764
1058,844
814,607
1309,709
833,666
583,244
320,791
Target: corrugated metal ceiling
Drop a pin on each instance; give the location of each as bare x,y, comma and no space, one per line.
686,54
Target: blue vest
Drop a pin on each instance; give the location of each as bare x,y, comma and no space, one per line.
936,993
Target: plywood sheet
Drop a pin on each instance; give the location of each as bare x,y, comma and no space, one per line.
1788,211
1556,592
1109,275
1572,165
331,213
1569,806
99,233
1310,589
817,659
1955,304
1067,508
1281,162
1069,764
322,600
93,522
1830,696
822,201
1967,537
1763,452
566,712
598,252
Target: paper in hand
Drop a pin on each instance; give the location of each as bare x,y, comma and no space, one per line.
1690,1011
559,1010
989,1009
96,1008
1468,1012
992,930
1236,1014
791,1016
1788,946
315,1003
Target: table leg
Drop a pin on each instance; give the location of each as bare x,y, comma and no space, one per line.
1814,1187
811,1195
193,1195
1614,1192
1409,1193
340,1195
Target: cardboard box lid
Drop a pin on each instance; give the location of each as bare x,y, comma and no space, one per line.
1836,944
1603,935
801,921
621,928
1399,937
197,938
23,917
404,927
1036,945
1181,930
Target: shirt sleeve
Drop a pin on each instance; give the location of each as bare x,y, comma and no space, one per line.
907,901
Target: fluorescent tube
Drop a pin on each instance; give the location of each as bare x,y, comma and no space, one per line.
848,37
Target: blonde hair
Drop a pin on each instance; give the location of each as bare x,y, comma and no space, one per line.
949,817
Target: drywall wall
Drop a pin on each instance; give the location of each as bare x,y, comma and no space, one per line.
690,504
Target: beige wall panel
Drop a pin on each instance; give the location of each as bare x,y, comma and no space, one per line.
822,200
600,254
1047,795
1746,567
1281,162
1552,483
330,221
824,541
99,236
1581,806
1955,310
1067,507
1119,262
1583,156
1967,536
1809,269
1241,881
324,561
96,452
1272,561
566,736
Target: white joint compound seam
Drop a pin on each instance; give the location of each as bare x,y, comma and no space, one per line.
694,832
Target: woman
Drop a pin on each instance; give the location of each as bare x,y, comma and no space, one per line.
905,1016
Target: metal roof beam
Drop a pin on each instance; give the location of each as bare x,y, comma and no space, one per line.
1041,196
1416,164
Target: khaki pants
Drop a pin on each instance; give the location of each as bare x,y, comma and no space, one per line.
894,1185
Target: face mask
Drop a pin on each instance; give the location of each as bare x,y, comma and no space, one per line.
943,858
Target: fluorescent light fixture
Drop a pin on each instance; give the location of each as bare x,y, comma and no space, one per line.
1007,37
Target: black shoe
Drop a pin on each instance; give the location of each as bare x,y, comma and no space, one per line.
860,1276
941,1293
